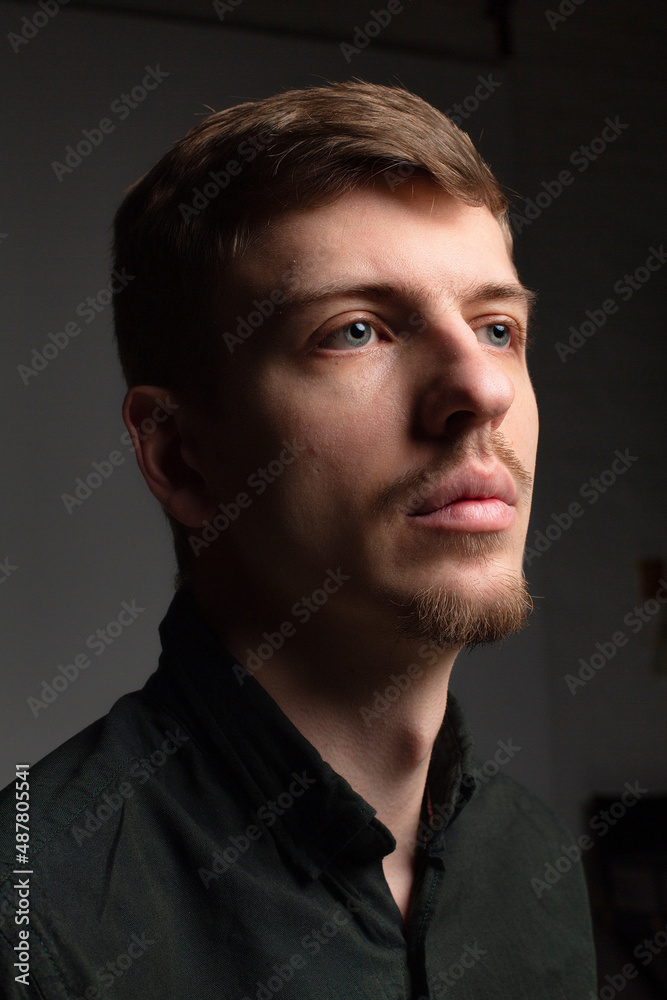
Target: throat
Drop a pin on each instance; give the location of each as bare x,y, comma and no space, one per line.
399,871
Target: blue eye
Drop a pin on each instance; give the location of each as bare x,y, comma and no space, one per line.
356,334
499,334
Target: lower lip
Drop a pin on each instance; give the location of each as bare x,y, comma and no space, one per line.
489,514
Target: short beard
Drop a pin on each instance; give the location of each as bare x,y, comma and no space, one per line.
448,619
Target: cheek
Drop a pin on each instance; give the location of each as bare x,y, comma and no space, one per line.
346,459
523,426
533,426
320,504
346,420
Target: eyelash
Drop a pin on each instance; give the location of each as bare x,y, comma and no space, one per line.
520,338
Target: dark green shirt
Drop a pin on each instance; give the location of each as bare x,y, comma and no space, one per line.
193,844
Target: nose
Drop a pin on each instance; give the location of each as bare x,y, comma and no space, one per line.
467,386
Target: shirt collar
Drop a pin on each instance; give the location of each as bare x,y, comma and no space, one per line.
252,743
451,780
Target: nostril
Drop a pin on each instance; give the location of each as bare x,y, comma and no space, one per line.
459,421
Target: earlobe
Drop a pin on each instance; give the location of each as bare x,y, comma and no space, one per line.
166,460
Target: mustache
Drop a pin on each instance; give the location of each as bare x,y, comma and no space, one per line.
410,490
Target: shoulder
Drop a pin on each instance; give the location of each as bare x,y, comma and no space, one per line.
516,815
514,878
75,788
508,827
97,808
511,801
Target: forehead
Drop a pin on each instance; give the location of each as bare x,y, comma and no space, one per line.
416,234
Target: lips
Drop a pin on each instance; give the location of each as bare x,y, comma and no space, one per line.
469,484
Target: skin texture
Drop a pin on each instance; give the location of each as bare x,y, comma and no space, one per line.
433,390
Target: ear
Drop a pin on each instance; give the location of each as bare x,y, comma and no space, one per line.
155,422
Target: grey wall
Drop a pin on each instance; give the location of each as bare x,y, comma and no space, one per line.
602,61
75,568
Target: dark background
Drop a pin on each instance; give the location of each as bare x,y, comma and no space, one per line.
562,76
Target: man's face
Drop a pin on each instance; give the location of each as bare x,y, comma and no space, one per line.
397,365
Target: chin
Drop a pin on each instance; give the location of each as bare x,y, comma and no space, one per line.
469,609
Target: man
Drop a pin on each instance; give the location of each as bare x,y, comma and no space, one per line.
324,341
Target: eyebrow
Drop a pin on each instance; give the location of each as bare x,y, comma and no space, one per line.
476,291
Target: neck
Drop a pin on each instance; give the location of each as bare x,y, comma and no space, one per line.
370,703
